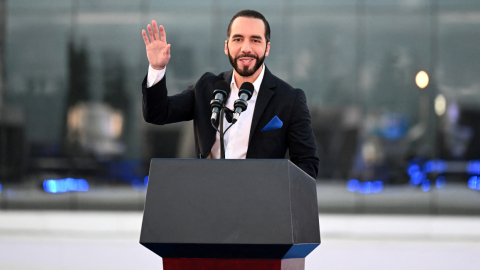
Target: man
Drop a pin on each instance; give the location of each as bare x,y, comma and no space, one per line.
277,117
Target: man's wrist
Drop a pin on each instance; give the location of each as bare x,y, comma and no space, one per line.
154,75
157,68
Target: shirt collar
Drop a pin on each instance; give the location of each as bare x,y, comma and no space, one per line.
256,84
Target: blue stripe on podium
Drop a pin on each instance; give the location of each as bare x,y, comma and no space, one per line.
300,251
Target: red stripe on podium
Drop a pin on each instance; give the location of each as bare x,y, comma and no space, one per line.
232,264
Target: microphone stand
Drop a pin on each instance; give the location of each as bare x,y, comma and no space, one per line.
222,134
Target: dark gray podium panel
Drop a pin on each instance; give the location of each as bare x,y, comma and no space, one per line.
198,208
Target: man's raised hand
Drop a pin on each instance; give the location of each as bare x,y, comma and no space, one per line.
158,51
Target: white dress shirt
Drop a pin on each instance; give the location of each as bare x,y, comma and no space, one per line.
237,137
154,76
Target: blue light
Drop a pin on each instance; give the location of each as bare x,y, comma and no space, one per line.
377,186
0,188
368,187
417,178
429,166
440,182
364,187
65,185
473,167
441,166
82,185
413,168
145,180
138,185
71,184
417,174
426,185
438,165
61,186
352,185
50,186
473,182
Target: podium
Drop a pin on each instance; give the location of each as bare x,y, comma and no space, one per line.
230,214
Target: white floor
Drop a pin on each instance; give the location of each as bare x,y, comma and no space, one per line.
109,240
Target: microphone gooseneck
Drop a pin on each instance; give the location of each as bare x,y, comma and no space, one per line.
220,95
245,94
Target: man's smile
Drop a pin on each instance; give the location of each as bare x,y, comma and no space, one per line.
245,64
246,61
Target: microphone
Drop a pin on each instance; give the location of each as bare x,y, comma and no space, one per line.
220,94
245,94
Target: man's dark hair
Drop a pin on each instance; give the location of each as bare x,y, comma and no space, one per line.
248,13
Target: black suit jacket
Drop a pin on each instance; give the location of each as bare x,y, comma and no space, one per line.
275,98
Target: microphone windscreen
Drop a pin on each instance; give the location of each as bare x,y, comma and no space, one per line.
223,85
247,86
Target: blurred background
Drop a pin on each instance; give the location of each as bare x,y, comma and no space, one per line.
392,86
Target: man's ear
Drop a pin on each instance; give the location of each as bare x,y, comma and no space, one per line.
226,47
267,50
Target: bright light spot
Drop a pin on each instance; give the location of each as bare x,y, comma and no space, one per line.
377,186
75,118
440,166
473,167
0,188
50,186
71,184
453,112
413,168
417,178
116,124
440,182
62,186
472,182
426,185
138,185
422,79
65,185
429,166
440,105
145,180
416,175
364,187
352,185
82,185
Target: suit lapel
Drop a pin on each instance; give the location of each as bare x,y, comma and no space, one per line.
264,95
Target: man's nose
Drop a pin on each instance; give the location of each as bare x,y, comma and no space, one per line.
246,48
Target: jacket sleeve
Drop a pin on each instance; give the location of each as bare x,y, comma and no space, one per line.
159,108
300,138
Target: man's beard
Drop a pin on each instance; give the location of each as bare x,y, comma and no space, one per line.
245,72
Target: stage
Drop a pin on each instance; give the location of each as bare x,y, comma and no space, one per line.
109,240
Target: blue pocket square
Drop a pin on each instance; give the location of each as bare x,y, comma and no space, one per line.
273,124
